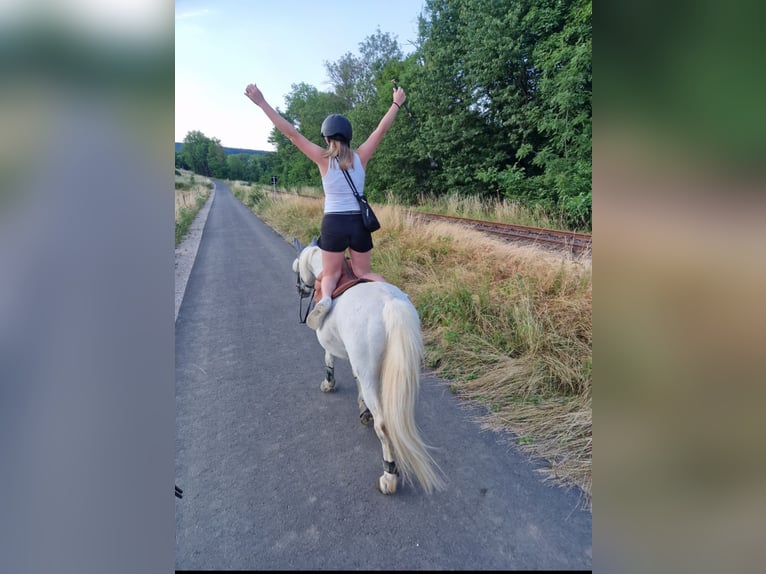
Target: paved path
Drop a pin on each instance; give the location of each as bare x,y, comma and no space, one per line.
278,475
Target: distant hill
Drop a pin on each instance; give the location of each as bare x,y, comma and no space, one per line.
233,150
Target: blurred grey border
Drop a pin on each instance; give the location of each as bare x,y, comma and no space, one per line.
86,287
679,277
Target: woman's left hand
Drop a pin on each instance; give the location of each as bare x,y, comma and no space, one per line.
252,92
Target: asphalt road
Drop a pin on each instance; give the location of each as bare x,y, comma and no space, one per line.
278,475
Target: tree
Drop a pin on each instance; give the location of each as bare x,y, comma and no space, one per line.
353,78
401,166
509,89
216,159
235,164
181,162
345,75
195,152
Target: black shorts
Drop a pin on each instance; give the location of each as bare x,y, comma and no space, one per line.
344,230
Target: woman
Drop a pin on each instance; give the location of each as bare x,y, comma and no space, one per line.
342,223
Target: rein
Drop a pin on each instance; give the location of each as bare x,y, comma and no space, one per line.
347,280
304,291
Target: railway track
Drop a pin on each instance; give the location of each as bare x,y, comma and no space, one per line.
569,241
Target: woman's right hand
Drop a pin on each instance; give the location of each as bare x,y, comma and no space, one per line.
399,96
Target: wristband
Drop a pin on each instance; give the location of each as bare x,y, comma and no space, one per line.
397,105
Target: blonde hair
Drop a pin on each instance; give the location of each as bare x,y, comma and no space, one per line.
342,151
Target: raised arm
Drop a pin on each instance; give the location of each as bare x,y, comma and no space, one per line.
309,148
368,148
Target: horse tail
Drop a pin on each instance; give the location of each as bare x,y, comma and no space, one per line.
400,382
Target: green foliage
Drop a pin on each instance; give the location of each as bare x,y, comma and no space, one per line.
195,152
184,220
513,81
354,79
181,162
216,159
204,155
236,166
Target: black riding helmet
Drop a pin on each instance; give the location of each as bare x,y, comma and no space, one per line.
337,127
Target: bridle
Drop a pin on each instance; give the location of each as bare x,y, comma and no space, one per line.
304,291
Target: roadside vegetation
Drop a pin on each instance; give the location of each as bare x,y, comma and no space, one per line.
509,327
191,194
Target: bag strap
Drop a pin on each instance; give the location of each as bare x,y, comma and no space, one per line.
351,183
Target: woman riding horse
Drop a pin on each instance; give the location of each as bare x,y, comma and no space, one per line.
342,226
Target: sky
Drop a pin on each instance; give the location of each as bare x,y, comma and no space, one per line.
222,46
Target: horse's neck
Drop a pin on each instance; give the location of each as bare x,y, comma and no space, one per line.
315,263
311,265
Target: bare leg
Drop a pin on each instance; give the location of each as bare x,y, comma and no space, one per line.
332,264
361,264
331,269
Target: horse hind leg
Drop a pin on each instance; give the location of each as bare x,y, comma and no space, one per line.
328,383
388,481
365,416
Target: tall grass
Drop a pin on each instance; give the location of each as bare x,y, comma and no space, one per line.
500,210
509,327
191,194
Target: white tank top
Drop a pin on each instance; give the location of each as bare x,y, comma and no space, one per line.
337,192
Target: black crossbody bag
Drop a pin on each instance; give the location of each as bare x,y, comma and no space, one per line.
369,219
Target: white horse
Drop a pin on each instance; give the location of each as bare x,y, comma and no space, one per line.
375,326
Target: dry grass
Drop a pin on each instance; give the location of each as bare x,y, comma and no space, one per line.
185,199
303,191
501,210
191,187
190,195
509,326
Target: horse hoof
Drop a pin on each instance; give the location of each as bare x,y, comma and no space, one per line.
366,417
387,483
326,387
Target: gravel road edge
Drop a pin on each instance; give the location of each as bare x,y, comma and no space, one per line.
186,251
